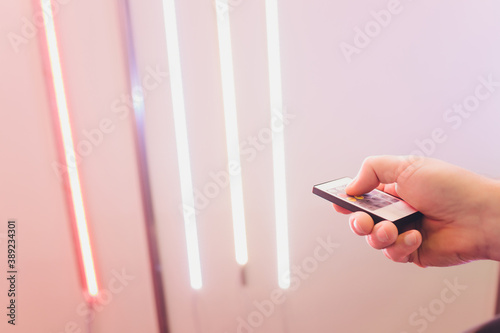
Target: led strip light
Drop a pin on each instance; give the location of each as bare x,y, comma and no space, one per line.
64,123
232,137
182,143
280,198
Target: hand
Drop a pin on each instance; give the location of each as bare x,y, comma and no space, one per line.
461,211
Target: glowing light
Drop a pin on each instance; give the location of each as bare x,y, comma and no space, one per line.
64,123
232,137
280,197
182,143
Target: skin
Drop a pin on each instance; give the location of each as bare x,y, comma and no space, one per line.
461,211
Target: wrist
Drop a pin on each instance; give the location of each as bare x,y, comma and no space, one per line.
491,220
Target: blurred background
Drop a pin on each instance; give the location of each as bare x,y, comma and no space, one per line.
353,79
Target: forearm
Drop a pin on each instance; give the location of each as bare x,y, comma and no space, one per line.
491,220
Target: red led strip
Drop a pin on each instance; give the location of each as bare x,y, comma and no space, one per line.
69,150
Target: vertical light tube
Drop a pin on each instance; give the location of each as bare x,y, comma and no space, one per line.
232,137
67,138
280,197
182,143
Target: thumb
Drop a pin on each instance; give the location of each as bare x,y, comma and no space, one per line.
376,170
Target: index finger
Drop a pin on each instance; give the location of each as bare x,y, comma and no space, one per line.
380,169
342,210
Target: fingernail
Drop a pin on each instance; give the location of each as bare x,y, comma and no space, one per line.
386,253
410,239
356,226
382,235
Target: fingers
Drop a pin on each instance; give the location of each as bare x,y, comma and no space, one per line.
405,247
376,170
379,236
384,236
389,188
339,209
361,223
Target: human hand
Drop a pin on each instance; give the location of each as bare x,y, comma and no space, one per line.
461,211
